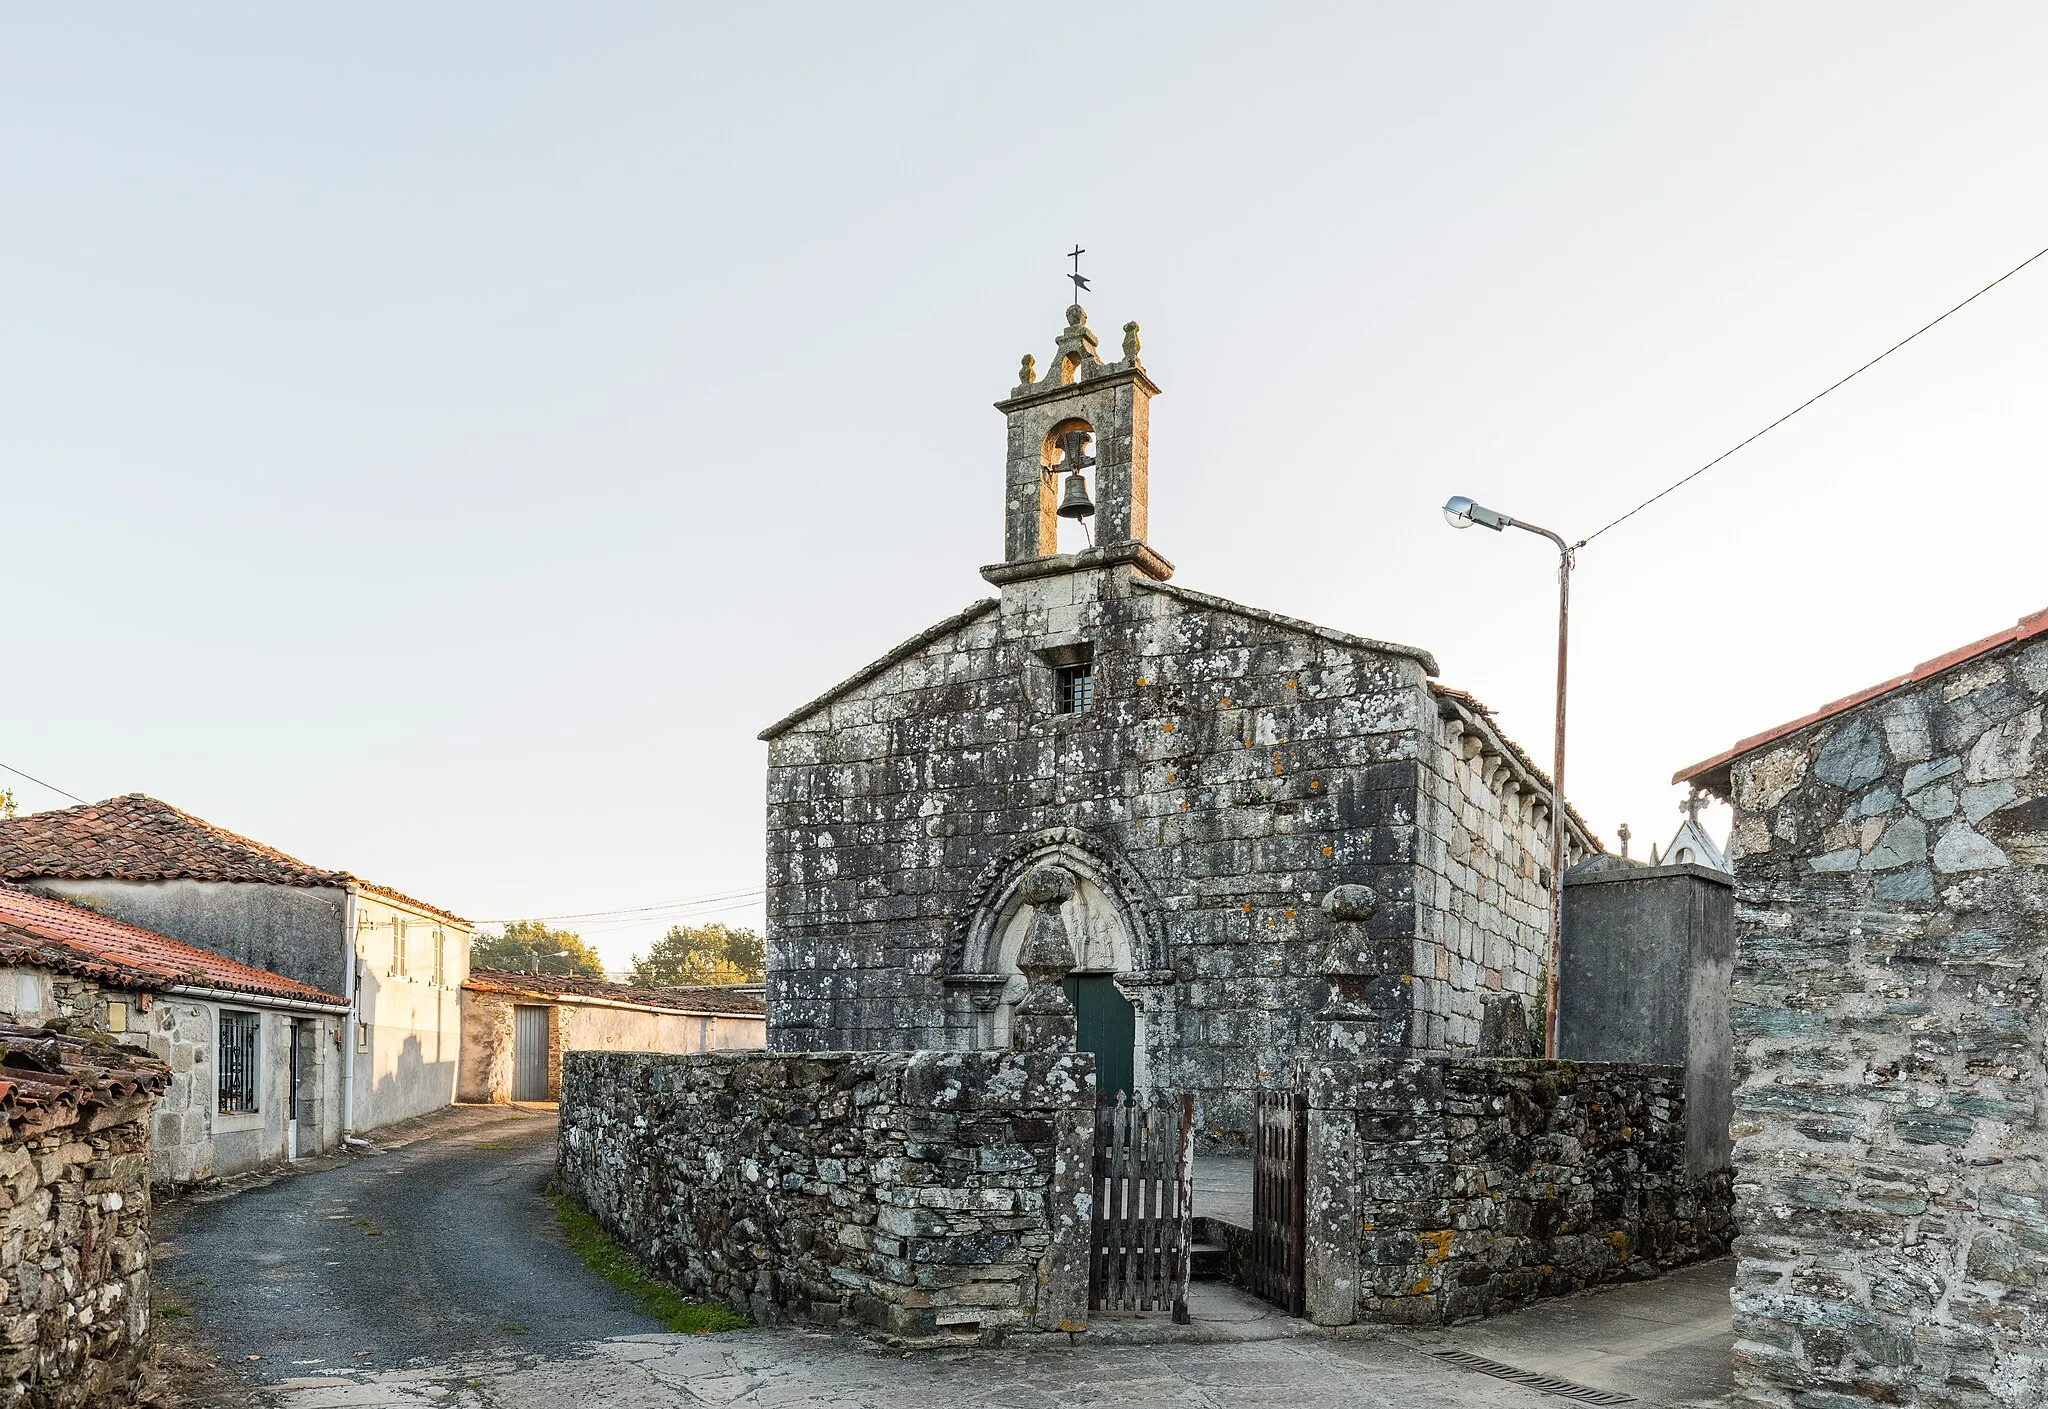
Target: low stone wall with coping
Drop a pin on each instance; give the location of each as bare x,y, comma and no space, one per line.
1467,1187
919,1193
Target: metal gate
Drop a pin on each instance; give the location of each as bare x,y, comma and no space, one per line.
1143,1228
1279,1200
529,1053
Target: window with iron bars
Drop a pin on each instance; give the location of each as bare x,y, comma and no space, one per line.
1077,687
238,1033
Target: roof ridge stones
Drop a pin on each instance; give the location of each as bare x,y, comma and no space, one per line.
136,837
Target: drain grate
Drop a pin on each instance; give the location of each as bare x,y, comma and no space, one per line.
1548,1384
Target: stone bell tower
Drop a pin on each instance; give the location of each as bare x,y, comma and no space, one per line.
1108,404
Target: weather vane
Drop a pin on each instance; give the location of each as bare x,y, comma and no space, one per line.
1080,282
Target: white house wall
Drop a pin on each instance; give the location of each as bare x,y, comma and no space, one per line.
409,1011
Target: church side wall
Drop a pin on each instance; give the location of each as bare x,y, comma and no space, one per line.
1485,898
1238,768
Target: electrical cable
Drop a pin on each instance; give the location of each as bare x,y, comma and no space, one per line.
40,783
734,895
1811,399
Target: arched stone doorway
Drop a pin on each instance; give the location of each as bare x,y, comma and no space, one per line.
1115,956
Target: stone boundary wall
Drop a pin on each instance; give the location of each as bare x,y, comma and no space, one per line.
919,1193
1891,1152
74,1191
1476,1186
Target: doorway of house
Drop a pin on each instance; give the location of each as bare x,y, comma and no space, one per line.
529,1052
1107,1026
295,1081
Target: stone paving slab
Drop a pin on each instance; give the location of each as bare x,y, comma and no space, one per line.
794,1370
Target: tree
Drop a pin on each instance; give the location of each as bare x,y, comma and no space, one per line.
530,947
7,808
702,954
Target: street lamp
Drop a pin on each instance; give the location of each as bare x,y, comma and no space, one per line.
1463,513
537,957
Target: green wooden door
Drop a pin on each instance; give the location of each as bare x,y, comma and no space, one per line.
1108,1026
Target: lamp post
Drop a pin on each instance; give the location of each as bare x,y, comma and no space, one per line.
1463,513
538,957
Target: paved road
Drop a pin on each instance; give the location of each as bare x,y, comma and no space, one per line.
440,1250
433,1275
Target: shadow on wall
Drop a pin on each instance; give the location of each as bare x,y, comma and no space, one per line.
413,1087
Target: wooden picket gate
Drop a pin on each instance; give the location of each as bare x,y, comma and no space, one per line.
1279,1200
1143,1230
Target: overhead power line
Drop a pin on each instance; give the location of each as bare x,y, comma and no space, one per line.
689,903
1811,399
40,783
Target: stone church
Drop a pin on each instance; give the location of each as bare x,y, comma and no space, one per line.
1280,836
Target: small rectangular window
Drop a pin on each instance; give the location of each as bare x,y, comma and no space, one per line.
1077,687
238,1052
398,947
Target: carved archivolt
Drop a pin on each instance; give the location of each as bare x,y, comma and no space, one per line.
978,930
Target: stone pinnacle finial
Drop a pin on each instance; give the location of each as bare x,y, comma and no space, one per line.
1028,372
1044,1019
1349,966
1131,343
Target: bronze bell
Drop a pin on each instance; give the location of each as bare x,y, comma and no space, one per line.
1075,503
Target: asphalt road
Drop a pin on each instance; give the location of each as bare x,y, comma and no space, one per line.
442,1250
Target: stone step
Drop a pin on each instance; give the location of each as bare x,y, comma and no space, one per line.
1207,1262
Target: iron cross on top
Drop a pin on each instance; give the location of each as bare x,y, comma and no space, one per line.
1080,283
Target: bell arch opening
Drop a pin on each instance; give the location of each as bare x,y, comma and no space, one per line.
1066,494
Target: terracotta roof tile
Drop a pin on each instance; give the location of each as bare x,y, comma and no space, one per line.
50,1079
737,1000
55,934
1711,773
136,837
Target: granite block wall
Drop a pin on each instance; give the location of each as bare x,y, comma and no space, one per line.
1892,1169
917,1193
1484,1184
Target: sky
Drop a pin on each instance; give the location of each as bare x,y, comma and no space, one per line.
436,440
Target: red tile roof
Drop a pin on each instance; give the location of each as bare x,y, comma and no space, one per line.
718,999
55,934
51,1079
139,838
1711,773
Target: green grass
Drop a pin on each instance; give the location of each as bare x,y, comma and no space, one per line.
369,1227
654,1299
171,1311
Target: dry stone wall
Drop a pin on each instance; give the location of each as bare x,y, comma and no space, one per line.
1482,1185
74,1191
918,1193
1891,1165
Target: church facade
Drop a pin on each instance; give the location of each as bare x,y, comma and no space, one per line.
1269,824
